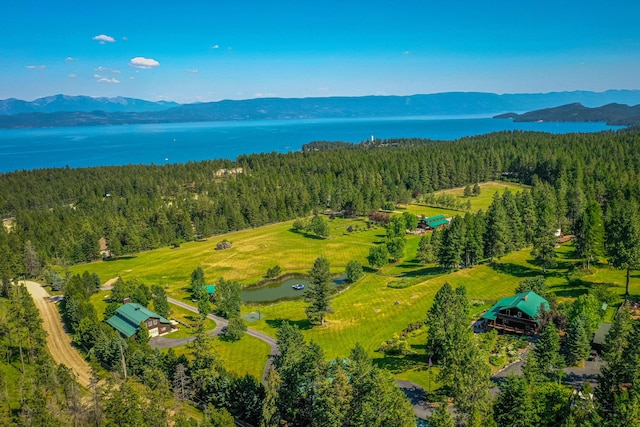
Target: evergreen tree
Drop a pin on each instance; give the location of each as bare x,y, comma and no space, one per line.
578,341
544,242
476,189
497,229
546,354
447,321
516,238
527,209
467,191
514,405
198,290
452,247
425,252
32,264
623,238
320,292
589,232
441,417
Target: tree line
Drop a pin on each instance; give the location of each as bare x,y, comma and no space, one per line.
64,213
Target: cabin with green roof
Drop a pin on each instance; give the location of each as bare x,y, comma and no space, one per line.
516,315
130,316
433,222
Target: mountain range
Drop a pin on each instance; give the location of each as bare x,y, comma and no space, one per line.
58,103
62,110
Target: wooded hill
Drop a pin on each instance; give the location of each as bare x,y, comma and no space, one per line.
611,114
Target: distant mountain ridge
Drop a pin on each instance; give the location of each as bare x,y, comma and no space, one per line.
612,114
448,103
58,103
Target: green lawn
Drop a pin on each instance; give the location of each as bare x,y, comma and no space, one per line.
246,356
481,202
369,311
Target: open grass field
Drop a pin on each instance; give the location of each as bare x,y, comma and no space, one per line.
246,356
369,311
481,202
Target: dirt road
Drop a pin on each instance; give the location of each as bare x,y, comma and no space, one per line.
58,341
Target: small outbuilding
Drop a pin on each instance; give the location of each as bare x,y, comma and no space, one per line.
600,335
516,315
130,316
433,222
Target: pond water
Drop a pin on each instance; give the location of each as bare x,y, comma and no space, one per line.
282,290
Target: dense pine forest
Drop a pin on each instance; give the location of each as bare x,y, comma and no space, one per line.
63,213
583,184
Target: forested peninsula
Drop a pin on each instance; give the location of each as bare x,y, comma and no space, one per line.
585,185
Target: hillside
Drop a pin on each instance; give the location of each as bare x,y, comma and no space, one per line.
58,103
78,111
612,114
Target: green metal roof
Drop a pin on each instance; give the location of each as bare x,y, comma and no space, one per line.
211,289
122,326
527,302
601,333
129,316
437,223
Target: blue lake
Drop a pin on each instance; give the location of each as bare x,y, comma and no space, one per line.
183,142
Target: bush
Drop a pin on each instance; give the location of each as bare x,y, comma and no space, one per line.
354,271
274,272
497,360
225,244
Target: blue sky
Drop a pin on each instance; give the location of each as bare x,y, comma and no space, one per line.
196,50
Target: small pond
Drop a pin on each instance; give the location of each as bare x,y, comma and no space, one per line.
281,290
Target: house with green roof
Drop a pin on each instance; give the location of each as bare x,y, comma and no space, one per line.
129,318
433,222
517,314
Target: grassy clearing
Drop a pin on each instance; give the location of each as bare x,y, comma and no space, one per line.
481,202
246,356
370,311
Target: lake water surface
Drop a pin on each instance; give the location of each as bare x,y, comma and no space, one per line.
183,142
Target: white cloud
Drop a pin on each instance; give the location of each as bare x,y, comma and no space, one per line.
102,69
265,95
103,38
107,80
36,67
215,46
192,70
72,76
69,59
140,62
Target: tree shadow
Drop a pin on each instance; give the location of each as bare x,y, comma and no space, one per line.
512,269
397,364
306,235
426,271
302,324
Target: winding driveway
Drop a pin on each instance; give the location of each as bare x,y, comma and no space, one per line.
58,341
221,323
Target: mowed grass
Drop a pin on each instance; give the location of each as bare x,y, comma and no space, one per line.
368,312
481,202
254,251
247,356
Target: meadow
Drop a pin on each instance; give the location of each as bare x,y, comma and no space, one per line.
369,311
